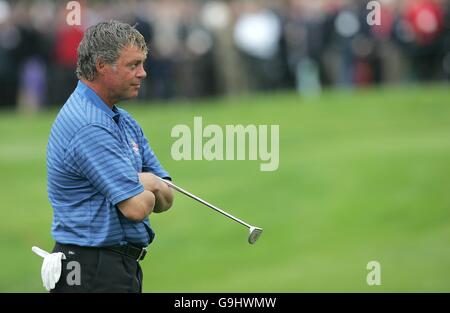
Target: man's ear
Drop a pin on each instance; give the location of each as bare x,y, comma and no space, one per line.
100,66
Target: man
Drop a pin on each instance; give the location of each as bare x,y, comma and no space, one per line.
102,172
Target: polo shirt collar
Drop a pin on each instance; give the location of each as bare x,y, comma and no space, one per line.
84,89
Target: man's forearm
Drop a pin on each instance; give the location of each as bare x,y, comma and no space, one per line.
163,193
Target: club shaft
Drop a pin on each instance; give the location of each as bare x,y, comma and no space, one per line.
187,193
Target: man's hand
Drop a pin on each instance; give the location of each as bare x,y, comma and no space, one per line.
163,193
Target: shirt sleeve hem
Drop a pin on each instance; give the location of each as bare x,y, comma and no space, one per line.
126,195
162,174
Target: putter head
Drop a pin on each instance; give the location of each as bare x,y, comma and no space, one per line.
255,232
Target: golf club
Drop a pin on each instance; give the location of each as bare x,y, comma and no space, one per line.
255,232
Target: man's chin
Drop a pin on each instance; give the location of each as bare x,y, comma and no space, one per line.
135,92
132,94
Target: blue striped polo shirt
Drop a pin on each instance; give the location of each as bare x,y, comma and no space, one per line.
94,155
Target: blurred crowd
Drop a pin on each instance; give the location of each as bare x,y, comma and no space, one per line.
203,48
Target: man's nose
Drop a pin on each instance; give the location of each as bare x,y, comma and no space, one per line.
141,72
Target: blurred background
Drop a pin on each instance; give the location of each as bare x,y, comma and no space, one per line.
206,48
364,115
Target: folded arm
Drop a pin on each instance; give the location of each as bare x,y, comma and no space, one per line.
138,207
163,193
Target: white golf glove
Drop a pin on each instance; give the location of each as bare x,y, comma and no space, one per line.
51,267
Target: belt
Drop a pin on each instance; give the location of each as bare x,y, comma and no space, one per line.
130,251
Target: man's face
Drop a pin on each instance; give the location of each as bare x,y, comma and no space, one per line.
124,78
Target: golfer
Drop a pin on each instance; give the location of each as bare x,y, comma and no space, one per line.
102,172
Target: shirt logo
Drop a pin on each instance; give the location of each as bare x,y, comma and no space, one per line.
135,147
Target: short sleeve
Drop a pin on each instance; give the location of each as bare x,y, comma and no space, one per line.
150,162
100,158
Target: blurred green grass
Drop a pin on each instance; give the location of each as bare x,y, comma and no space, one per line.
363,175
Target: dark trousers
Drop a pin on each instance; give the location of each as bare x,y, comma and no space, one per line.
88,269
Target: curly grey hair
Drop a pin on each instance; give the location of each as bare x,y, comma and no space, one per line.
105,41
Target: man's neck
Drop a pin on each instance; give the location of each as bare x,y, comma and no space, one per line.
101,92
